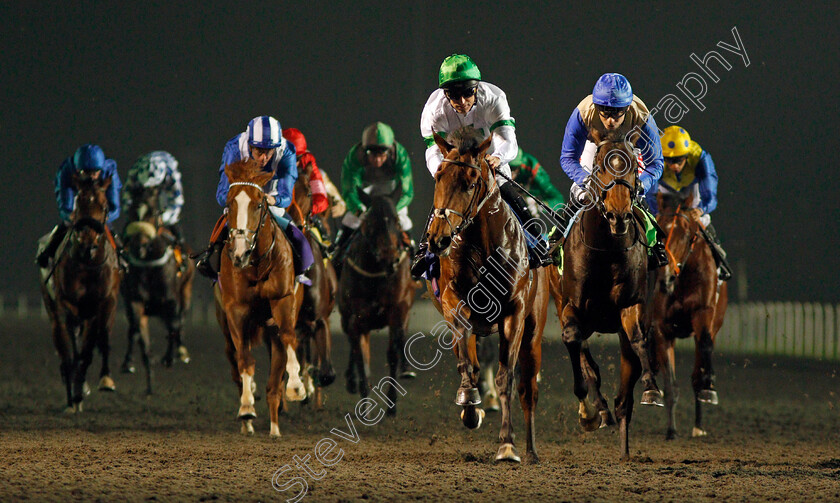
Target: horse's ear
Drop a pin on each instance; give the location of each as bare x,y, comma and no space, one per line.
442,144
485,145
364,197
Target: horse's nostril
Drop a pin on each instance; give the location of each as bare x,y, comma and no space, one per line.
611,216
444,242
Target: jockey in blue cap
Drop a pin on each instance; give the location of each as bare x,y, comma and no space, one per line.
88,158
263,142
611,109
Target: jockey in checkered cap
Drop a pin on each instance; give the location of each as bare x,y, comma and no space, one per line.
157,169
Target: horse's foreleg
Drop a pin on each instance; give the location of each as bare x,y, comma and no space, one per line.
631,322
363,364
631,369
323,345
574,340
131,313
64,348
510,341
146,348
102,327
592,374
702,378
274,387
667,362
487,374
245,363
395,335
82,362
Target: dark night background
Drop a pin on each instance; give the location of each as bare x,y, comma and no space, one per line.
140,76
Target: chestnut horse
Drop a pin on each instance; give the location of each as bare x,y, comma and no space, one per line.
376,291
689,301
485,284
257,298
313,325
81,295
604,288
155,283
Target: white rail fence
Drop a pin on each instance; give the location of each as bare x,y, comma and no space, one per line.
800,329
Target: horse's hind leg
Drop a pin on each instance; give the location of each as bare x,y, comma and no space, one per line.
631,320
355,354
487,375
665,355
65,351
510,341
363,364
127,366
101,330
631,369
274,389
702,378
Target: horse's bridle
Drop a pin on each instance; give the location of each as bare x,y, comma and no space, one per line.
469,215
678,266
234,232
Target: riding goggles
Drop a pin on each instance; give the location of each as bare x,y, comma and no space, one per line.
607,112
457,93
674,160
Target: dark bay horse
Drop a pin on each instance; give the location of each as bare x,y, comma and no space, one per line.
81,295
257,297
376,291
313,325
604,288
688,301
485,285
155,283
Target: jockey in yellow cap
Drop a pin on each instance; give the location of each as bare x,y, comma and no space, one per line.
690,171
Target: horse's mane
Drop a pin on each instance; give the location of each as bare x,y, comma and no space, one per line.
246,170
466,139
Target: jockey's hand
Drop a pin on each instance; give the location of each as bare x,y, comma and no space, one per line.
493,161
271,200
338,208
695,213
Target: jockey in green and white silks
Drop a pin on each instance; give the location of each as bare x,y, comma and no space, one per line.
158,169
463,99
377,165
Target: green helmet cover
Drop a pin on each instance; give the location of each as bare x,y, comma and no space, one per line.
457,68
378,134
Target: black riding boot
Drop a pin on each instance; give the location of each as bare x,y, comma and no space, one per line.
658,256
538,257
209,261
339,248
55,239
324,236
418,262
725,272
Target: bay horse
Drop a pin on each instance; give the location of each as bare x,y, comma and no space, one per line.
80,296
155,283
485,285
604,288
688,301
257,297
376,291
313,325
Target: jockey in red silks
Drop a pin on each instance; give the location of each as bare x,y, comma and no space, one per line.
320,201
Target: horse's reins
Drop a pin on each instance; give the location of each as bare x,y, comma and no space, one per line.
233,232
678,265
602,208
469,216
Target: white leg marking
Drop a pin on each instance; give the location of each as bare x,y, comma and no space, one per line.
247,398
295,391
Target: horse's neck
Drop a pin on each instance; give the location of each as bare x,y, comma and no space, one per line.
487,231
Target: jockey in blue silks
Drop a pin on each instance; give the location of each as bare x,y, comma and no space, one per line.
263,142
90,158
611,109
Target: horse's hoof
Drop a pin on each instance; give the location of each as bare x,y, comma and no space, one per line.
467,396
531,458
247,412
85,389
472,417
391,411
408,374
491,403
653,397
247,427
671,434
326,378
507,452
78,407
183,354
127,368
697,432
166,361
606,419
107,384
275,430
591,424
708,396
69,410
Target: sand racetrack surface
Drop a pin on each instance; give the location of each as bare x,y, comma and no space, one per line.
774,436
